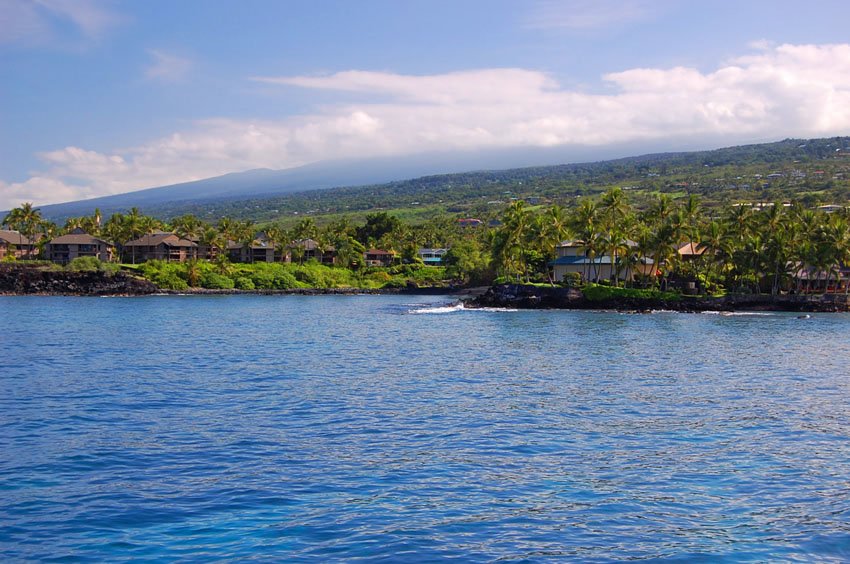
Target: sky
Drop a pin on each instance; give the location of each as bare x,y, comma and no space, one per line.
101,97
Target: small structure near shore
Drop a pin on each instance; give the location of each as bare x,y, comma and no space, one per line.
76,244
14,243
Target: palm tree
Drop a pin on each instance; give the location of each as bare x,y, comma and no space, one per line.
187,227
614,210
714,249
246,236
134,227
13,221
512,241
585,225
26,220
555,229
305,229
276,237
663,245
193,272
211,240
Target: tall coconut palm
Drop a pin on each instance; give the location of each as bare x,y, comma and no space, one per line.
714,250
212,241
512,240
554,229
26,220
246,235
614,210
585,225
187,226
277,239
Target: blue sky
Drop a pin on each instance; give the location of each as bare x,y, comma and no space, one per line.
100,97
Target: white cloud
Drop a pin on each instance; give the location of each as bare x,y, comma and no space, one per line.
32,22
777,92
167,67
487,85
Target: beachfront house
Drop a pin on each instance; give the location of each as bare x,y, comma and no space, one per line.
160,246
76,244
690,251
14,244
378,257
574,257
432,257
310,249
260,250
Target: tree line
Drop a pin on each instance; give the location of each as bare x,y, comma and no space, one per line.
743,248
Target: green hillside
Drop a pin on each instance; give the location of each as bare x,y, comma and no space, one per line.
812,171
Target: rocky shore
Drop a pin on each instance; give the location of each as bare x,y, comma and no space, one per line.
309,291
537,297
17,280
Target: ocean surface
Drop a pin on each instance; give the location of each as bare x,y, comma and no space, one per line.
406,429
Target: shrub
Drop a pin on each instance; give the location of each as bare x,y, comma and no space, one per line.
285,280
381,277
571,280
244,283
216,281
91,264
169,281
596,292
84,264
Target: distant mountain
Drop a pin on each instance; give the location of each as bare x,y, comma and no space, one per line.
341,186
259,183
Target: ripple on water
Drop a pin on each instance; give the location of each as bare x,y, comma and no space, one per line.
343,427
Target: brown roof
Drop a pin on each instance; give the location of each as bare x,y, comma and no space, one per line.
78,239
256,244
153,240
13,238
309,245
379,252
691,249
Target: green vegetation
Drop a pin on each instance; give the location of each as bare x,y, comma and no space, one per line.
277,276
91,264
815,171
751,214
597,293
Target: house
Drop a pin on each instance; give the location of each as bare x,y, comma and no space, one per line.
309,249
378,257
470,222
432,257
13,243
260,250
160,246
573,257
690,251
76,244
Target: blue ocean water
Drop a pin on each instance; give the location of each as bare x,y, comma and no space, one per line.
398,428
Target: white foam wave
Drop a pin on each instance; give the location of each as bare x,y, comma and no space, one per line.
740,313
453,308
438,309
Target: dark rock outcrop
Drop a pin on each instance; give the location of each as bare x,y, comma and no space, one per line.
21,279
536,297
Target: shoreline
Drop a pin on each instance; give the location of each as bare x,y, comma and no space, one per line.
235,292
519,296
25,281
33,282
